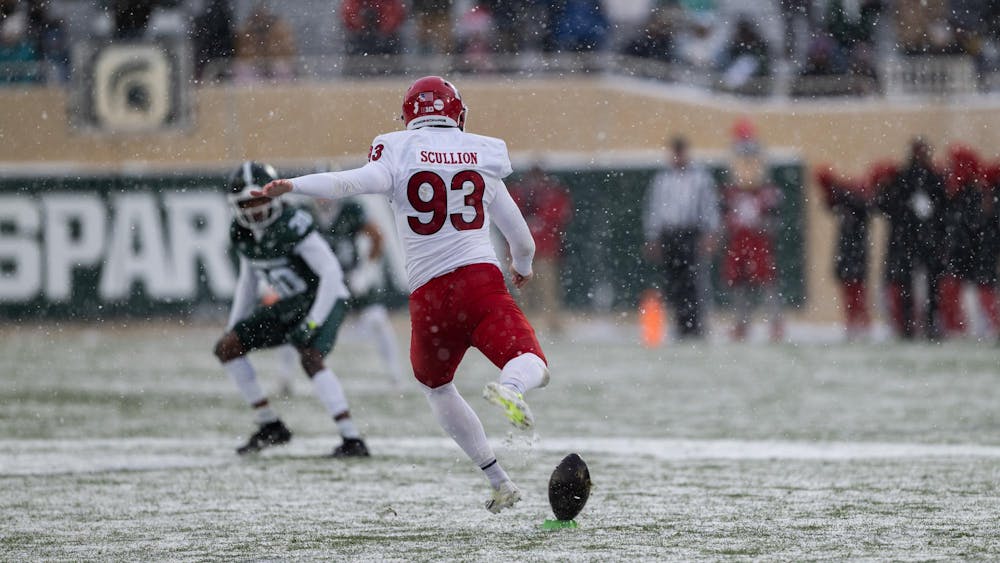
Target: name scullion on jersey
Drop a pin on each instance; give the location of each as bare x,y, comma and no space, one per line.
447,157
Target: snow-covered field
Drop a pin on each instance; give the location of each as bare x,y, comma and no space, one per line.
116,443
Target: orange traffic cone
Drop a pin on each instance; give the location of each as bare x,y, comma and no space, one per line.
652,319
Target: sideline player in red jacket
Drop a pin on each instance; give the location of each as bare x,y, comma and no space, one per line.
852,202
987,244
971,240
445,186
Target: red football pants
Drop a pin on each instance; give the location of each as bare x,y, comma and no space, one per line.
468,307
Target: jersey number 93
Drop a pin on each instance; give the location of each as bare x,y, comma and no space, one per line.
435,201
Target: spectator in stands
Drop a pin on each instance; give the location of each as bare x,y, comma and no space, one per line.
750,210
131,17
922,28
548,209
520,24
475,34
989,57
914,204
655,39
852,24
48,35
852,202
796,13
373,26
746,55
823,58
433,26
265,47
695,40
18,59
7,7
213,38
680,225
578,25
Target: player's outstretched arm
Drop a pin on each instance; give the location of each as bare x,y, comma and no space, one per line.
372,178
273,188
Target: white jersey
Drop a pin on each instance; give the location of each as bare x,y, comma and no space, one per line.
445,187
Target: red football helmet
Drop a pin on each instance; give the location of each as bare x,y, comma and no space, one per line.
432,100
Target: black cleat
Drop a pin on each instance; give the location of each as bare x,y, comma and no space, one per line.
352,447
270,434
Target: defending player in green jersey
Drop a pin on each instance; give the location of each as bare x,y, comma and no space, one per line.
358,243
280,246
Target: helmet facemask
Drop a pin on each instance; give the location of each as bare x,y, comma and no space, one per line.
255,212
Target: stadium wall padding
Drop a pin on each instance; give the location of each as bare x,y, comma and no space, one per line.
102,247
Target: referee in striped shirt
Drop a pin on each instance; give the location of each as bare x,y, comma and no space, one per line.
680,226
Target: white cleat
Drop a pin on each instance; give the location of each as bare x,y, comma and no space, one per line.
511,402
505,497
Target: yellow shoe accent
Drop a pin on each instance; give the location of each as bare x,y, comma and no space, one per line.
511,402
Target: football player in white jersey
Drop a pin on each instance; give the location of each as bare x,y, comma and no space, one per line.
445,187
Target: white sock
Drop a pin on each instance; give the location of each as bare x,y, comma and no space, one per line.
458,419
263,414
331,394
376,319
240,370
495,474
347,428
288,362
524,373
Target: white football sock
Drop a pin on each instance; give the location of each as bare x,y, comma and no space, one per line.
347,428
331,394
376,320
495,473
288,362
524,373
458,419
240,370
263,414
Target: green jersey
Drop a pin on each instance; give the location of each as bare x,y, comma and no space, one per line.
271,252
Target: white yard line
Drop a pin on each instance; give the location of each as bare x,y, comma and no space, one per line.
56,457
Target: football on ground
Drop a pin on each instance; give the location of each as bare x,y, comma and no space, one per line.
569,487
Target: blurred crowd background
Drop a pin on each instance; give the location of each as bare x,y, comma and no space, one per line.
766,47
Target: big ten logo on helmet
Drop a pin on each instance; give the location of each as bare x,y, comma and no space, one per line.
131,87
136,238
